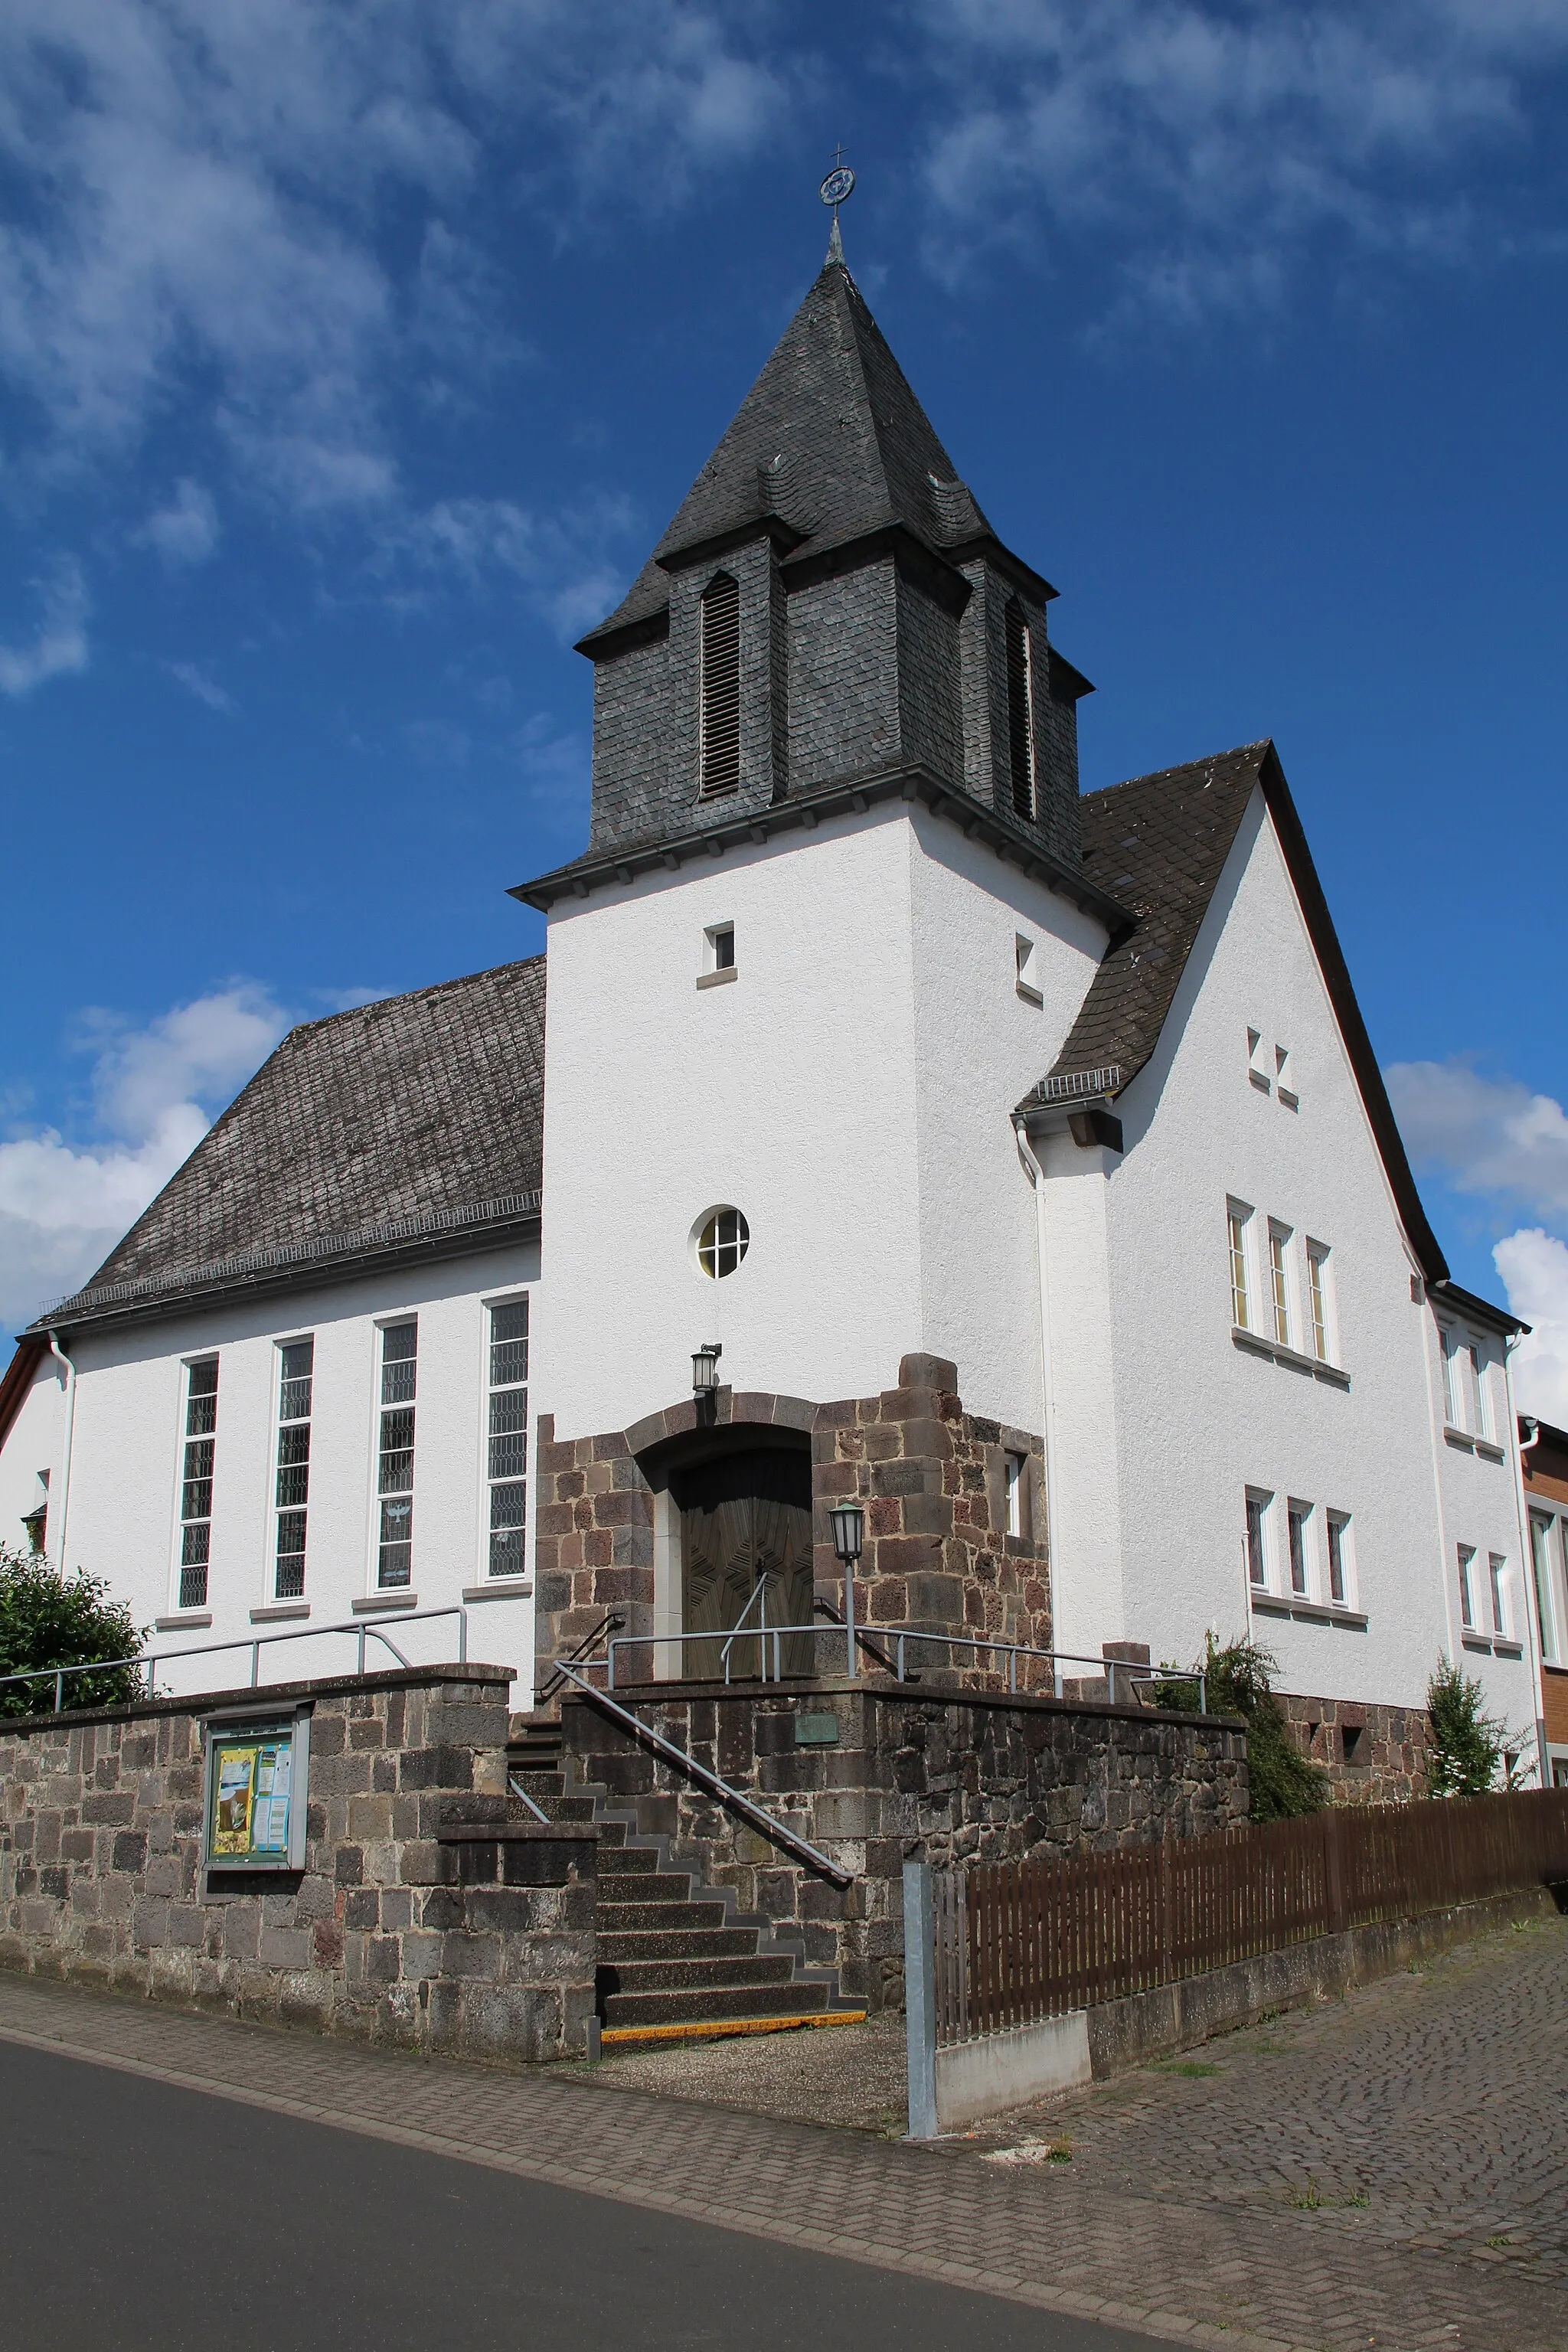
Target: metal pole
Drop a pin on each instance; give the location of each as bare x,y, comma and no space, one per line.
255,1663
360,1668
59,1687
901,1675
919,1999
1013,1670
462,1637
850,1568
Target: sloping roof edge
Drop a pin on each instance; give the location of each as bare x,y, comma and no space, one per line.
18,1380
1347,1011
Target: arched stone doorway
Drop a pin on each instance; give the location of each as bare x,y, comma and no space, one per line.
745,1560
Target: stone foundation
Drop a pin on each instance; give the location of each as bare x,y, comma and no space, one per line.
1372,1754
869,1773
932,1477
419,1916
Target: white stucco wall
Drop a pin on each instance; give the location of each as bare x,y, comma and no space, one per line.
124,1509
848,1092
1160,1443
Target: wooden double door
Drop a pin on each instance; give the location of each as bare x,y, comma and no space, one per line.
745,1560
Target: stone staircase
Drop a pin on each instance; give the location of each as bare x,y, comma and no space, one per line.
677,1958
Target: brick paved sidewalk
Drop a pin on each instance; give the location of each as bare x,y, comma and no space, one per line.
1036,2234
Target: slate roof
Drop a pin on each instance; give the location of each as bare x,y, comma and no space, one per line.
1156,845
830,440
402,1123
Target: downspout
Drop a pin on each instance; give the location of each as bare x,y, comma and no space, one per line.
59,1354
1037,1176
1527,1558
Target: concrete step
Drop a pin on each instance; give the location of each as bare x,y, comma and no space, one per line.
642,1886
702,1915
692,2007
633,1945
696,1975
635,1857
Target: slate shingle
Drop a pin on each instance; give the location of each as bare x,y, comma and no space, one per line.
425,1109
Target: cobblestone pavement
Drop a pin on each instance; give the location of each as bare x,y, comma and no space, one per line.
1143,2249
1427,2111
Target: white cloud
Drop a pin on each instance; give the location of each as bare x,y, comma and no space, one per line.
62,1208
58,645
187,530
196,680
1533,1265
1208,146
1488,1136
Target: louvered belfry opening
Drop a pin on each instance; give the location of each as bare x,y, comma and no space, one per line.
720,754
1020,710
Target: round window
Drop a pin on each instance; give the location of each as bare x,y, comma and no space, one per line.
722,1240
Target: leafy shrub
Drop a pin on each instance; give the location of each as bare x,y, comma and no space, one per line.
50,1620
1281,1781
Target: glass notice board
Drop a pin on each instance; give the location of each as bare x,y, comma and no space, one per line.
256,1771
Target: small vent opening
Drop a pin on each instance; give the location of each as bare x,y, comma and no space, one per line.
720,687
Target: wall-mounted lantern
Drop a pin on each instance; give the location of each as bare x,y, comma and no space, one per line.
848,1538
705,1369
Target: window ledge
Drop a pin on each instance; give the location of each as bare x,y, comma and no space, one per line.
1292,1359
1488,1451
188,1620
274,1610
370,1604
1292,1101
718,979
1501,1645
1460,1439
501,1587
1311,1612
1260,1082
1030,996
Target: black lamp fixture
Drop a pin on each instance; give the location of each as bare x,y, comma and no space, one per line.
705,1368
848,1539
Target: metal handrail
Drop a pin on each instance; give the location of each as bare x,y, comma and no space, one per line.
547,1690
768,1822
150,1659
903,1635
759,1592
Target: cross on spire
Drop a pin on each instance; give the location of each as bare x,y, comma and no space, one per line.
838,185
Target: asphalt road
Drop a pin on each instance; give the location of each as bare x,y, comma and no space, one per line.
137,2217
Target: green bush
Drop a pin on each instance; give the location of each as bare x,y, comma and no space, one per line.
1281,1781
50,1620
1465,1745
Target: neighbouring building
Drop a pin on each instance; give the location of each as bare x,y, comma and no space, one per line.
1023,1151
1543,1453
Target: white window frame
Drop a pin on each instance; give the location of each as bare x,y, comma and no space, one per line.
487,1575
1239,1219
270,1594
1467,1556
1284,1083
718,949
1498,1596
1321,1315
1026,969
1281,1305
1263,1498
1339,1523
1299,1555
1546,1555
1014,1471
1447,1352
1256,1069
188,1364
384,1324
1480,1391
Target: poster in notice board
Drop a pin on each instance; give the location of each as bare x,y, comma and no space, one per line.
256,1794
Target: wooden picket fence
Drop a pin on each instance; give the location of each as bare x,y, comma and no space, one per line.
1016,1941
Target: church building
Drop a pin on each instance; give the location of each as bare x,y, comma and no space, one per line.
886,1121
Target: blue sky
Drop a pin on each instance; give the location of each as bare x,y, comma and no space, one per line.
352,357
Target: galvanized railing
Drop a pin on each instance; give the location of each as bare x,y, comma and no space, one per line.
147,1662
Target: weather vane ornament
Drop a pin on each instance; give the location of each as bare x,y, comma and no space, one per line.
838,185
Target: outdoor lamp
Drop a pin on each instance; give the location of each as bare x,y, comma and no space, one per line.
848,1532
704,1367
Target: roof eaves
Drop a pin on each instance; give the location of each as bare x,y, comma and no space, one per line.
599,870
18,1377
612,636
1475,1309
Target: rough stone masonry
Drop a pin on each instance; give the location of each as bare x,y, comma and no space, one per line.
426,1915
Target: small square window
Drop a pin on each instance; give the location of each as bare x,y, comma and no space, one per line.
1257,1069
1027,971
718,955
1284,1084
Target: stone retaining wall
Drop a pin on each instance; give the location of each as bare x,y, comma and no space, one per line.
1373,1754
409,1923
950,1775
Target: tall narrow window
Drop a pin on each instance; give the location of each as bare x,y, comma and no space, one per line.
1020,709
1297,1515
296,1361
196,1483
394,1480
1445,1349
1483,1424
1541,1562
1240,1306
35,1522
1280,1281
507,1438
1317,1294
1336,1526
1467,1594
1497,1572
1015,1462
1256,1557
721,686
